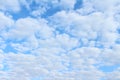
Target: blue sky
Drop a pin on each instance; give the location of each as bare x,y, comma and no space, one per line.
59,40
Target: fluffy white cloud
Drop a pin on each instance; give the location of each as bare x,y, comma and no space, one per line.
67,45
111,56
97,26
5,21
7,5
27,27
70,4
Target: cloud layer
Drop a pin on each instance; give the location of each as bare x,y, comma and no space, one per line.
59,40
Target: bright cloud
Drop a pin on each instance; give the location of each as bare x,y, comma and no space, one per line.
59,40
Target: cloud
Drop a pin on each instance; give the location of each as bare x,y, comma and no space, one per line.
28,27
111,56
6,5
70,4
113,75
6,21
65,44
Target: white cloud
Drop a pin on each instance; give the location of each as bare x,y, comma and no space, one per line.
76,26
70,4
27,27
115,75
7,5
5,21
69,45
49,5
111,56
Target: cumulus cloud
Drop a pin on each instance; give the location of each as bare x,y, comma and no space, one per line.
5,21
55,41
6,5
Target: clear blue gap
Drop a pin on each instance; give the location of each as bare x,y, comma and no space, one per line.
27,52
81,43
70,67
15,42
118,30
64,70
98,41
9,48
89,13
38,34
103,78
38,78
60,30
78,4
8,41
51,11
24,12
108,68
117,41
34,6
99,45
5,66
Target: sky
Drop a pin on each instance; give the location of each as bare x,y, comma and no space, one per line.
59,39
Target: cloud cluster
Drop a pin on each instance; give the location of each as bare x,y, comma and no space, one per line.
57,41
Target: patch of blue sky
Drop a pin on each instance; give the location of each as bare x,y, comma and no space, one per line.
68,69
60,30
118,30
51,12
71,68
34,6
8,41
38,78
27,52
9,48
103,78
78,4
98,42
109,68
5,66
118,41
24,12
99,45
